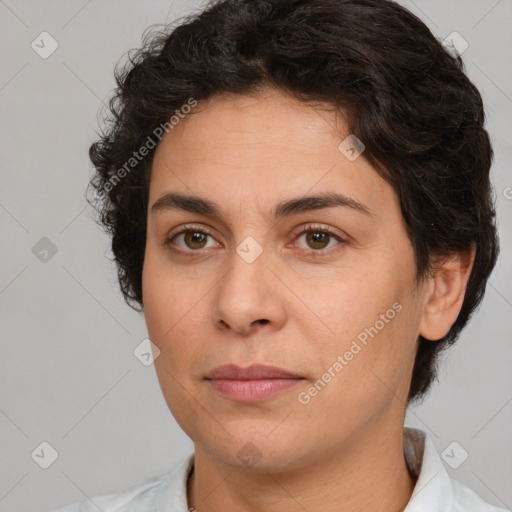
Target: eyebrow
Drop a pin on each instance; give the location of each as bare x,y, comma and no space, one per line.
200,205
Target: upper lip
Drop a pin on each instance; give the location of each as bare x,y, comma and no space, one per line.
253,372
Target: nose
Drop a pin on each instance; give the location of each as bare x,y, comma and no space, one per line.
248,297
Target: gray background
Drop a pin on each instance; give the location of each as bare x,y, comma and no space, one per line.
68,375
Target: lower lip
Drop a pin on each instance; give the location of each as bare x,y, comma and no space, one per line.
252,390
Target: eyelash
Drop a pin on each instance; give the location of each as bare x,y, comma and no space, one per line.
305,229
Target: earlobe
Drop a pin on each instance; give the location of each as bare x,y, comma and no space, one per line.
445,293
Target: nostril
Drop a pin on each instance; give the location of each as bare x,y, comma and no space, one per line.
263,321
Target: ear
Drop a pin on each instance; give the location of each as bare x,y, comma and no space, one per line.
445,291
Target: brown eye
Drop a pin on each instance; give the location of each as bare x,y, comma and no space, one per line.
191,240
195,239
318,239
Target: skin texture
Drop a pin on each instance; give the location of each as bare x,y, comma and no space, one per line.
343,449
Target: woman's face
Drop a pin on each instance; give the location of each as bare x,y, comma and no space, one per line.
250,271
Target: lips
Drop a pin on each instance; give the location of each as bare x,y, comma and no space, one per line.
257,383
253,372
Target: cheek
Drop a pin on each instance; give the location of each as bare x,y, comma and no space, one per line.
166,297
170,321
373,319
362,373
174,311
352,303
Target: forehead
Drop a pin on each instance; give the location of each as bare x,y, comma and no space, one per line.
255,122
261,146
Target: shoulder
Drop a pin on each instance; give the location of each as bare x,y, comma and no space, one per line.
467,500
435,489
154,493
137,497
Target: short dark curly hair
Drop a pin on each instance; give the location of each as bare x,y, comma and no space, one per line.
403,94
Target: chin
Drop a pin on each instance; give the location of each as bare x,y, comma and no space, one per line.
260,452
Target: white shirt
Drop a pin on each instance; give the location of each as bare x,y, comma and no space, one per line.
434,491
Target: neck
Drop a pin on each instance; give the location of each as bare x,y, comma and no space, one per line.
368,473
